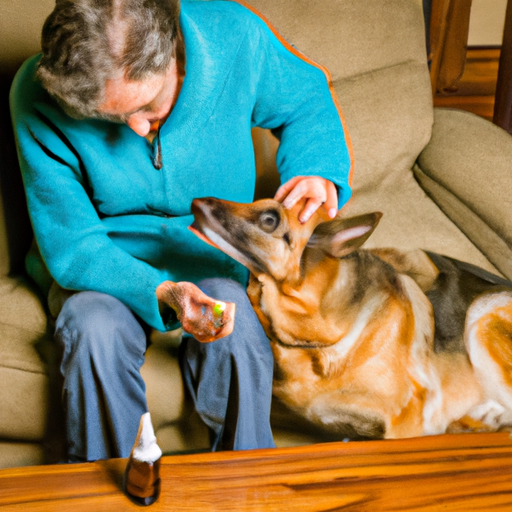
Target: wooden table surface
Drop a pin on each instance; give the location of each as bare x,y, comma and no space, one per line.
454,472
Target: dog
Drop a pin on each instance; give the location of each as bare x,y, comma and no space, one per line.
369,344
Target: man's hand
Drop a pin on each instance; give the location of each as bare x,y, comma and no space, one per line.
317,192
204,318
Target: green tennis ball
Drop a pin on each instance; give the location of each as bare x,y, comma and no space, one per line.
219,308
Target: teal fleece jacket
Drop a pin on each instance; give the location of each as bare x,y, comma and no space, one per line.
106,219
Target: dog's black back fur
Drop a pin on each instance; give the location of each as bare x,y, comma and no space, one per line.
452,293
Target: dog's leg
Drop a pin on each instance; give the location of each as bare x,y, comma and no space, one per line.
485,417
488,341
345,415
368,415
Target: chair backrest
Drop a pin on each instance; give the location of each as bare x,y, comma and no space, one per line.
375,52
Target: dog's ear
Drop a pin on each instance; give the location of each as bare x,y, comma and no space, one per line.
340,237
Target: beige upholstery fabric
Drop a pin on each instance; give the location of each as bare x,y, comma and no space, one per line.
389,116
350,38
467,169
164,387
24,400
20,25
4,254
412,220
164,391
14,454
491,244
20,305
23,375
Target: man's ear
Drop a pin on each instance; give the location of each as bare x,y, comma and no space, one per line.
340,237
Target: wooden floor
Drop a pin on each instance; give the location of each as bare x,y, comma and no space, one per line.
478,84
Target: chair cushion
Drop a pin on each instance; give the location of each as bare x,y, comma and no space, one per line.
164,385
412,220
23,374
350,37
176,424
24,385
13,455
21,304
466,169
492,245
389,116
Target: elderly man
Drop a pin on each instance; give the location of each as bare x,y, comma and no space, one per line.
134,109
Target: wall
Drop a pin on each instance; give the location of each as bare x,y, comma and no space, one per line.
486,23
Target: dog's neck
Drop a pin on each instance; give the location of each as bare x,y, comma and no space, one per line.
319,280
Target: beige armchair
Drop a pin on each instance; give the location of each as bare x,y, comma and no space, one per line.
443,180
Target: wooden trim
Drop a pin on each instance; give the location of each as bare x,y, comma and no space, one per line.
503,103
476,89
438,29
449,29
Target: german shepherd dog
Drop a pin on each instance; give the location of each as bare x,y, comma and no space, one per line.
370,343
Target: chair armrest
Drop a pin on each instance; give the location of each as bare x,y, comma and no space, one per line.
466,168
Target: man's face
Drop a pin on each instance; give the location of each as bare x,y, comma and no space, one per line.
142,105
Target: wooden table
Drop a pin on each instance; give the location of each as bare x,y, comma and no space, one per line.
453,472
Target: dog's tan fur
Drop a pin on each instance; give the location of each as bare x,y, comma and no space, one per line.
353,331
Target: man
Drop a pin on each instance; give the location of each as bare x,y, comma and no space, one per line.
135,108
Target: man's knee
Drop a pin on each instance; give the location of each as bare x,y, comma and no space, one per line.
96,322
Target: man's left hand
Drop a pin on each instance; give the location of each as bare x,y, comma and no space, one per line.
201,316
316,190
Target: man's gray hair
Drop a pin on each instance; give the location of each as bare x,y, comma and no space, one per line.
86,42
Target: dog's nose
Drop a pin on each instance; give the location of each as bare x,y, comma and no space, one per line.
202,205
197,205
198,202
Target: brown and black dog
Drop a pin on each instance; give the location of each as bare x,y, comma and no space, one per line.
370,343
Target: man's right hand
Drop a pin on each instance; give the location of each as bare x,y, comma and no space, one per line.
204,318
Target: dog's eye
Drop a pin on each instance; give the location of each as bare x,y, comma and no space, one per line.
269,221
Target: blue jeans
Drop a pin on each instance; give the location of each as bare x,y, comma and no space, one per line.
230,380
